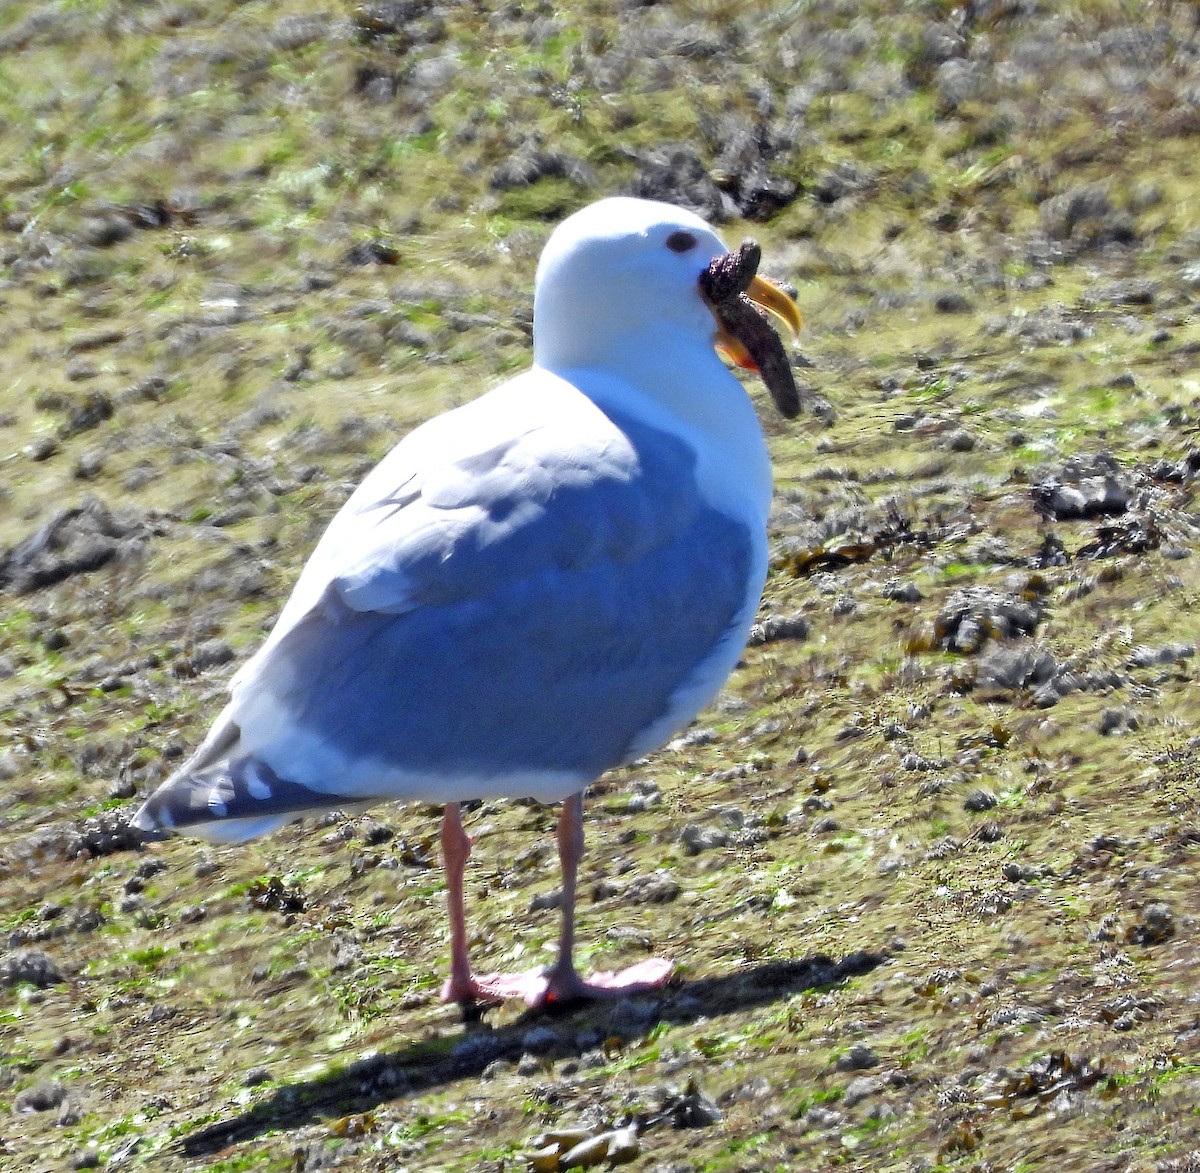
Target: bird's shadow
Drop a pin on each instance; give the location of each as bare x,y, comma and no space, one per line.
367,1083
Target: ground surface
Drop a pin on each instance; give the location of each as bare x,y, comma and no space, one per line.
929,868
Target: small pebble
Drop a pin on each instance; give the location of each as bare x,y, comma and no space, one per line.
528,1065
859,1089
858,1058
979,800
41,1097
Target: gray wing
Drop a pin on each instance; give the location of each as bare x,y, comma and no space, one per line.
514,628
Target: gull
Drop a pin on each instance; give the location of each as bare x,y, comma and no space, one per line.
533,588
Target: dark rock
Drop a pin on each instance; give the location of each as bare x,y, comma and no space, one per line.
843,180
74,541
952,301
105,231
90,412
676,174
778,627
374,833
1091,497
152,388
755,1089
1017,872
1156,926
979,800
41,1097
1175,471
844,605
860,1088
658,888
1049,326
347,954
149,867
940,41
958,80
1084,216
694,839
388,17
95,341
435,75
901,592
299,29
1045,1078
85,920
1133,534
959,440
1144,657
211,654
532,162
89,465
372,252
747,154
79,370
1016,666
42,448
539,1040
1110,843
29,965
1130,1008
973,615
544,901
1062,214
1117,720
377,87
1130,292
103,835
272,895
858,1058
691,1109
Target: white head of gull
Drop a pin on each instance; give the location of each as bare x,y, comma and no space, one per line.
528,590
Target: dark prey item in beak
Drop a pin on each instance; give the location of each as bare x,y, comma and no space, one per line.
745,331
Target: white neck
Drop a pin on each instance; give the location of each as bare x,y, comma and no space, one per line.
688,390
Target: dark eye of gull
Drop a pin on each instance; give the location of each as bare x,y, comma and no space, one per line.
680,242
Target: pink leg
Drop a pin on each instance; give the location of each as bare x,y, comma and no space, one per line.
456,850
561,982
463,985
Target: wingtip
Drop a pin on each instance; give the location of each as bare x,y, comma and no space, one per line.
153,819
228,802
152,834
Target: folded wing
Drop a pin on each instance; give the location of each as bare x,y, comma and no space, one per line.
510,618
